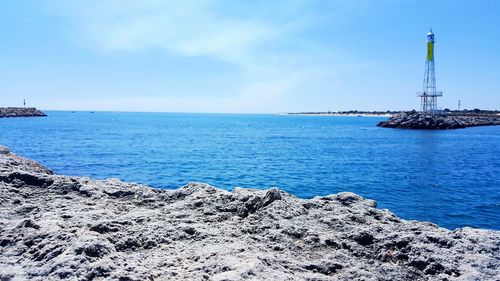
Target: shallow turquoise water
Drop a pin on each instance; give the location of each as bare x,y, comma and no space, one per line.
451,178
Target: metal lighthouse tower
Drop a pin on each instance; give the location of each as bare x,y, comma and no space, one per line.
429,94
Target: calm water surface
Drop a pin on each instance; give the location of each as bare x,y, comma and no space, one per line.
451,178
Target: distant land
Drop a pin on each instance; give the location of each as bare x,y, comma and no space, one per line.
442,120
343,113
6,112
389,113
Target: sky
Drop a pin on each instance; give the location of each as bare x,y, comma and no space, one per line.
256,56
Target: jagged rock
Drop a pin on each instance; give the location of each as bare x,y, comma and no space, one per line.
4,150
58,227
20,112
422,120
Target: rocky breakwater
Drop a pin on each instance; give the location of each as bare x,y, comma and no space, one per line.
421,120
56,227
20,112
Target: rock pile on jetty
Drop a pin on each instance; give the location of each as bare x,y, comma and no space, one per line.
422,120
55,227
20,112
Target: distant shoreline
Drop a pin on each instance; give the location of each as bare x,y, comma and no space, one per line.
352,113
338,115
389,113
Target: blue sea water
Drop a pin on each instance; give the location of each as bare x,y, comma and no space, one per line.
451,178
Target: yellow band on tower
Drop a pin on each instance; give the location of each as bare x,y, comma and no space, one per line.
430,50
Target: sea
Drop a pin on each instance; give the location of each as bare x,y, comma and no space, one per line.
450,178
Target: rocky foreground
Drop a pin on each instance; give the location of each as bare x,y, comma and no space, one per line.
422,120
20,112
57,227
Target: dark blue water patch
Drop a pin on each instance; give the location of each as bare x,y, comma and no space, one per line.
451,178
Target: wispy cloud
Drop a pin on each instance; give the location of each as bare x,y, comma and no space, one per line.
188,28
267,40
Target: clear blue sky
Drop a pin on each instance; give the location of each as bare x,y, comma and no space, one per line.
245,56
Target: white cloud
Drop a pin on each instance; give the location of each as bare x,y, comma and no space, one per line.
187,28
240,36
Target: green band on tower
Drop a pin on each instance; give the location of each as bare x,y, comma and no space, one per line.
430,50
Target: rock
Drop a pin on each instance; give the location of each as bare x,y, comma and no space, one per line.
421,120
58,227
12,164
20,112
20,179
364,238
105,227
255,202
93,248
4,150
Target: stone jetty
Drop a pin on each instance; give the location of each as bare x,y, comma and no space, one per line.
20,112
60,227
422,120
